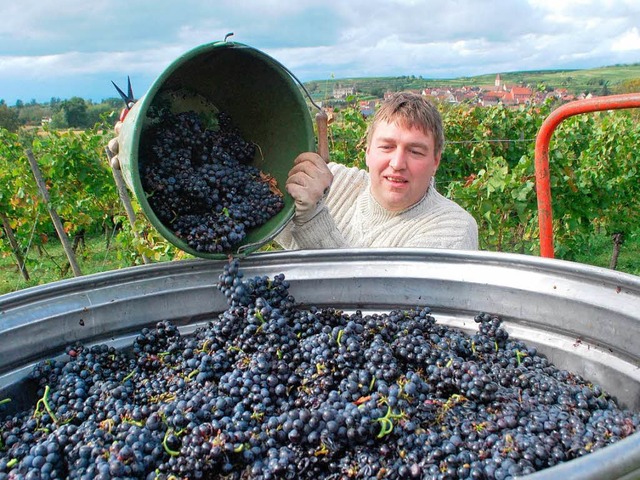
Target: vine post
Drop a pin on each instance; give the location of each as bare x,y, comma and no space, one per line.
14,246
55,218
124,197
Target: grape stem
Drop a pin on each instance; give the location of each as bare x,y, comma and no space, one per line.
173,453
45,402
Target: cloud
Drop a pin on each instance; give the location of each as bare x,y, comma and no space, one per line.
84,45
628,41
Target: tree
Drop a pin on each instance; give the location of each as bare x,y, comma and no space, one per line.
33,114
75,112
58,120
9,118
95,112
115,103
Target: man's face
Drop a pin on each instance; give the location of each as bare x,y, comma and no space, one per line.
401,163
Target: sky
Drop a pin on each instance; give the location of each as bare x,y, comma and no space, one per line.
76,48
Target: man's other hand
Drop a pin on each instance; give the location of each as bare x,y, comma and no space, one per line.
308,183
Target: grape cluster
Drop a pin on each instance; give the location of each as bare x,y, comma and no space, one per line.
200,183
272,390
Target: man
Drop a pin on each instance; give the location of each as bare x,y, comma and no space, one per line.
395,203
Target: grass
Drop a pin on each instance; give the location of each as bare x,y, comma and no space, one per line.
600,249
51,264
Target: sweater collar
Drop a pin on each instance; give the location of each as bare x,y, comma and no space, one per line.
371,208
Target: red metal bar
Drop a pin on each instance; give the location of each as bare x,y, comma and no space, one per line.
543,186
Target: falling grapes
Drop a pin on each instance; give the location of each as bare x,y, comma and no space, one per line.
272,390
200,183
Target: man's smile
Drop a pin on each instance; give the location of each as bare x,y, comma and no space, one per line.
398,180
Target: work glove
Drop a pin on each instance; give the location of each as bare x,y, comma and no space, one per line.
308,183
114,146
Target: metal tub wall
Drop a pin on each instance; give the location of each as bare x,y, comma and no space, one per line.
584,319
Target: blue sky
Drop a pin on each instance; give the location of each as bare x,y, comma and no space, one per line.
67,48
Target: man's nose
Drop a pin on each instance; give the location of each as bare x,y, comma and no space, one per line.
398,159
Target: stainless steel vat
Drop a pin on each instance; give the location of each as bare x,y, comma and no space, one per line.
584,319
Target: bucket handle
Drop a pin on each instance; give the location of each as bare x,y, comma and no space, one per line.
301,86
321,116
250,246
321,120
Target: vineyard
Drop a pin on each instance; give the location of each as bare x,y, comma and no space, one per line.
487,167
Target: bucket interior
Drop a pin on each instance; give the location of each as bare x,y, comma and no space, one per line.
265,104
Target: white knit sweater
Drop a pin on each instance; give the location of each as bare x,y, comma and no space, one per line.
352,218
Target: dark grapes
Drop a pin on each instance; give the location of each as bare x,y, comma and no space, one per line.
200,183
272,390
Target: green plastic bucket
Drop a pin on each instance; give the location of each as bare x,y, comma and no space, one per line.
263,100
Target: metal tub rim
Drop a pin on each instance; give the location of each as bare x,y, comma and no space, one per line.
456,282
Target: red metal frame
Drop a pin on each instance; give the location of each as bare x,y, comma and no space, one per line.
543,187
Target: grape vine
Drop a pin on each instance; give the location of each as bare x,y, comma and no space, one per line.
487,167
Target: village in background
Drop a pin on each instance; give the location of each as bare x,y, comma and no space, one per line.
481,95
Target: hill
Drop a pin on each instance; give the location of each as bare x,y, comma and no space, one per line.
600,81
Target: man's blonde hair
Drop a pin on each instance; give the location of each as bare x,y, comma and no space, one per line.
410,110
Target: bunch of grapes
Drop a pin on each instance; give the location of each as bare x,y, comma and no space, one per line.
273,390
200,183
